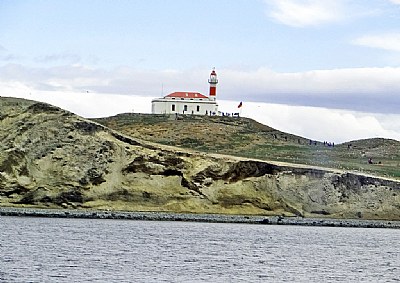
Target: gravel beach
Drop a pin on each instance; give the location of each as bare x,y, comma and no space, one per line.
214,218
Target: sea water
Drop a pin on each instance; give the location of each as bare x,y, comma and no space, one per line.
96,250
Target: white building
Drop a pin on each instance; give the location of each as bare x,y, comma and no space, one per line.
188,102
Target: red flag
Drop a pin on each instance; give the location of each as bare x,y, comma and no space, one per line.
240,104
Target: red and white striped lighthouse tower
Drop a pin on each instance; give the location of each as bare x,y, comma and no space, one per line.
213,85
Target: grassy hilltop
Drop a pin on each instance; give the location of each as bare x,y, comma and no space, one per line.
247,138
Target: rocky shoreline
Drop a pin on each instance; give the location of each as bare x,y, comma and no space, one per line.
211,218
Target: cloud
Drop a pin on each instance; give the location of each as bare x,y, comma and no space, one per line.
9,58
5,56
122,80
388,41
86,104
302,13
395,2
320,123
360,89
62,57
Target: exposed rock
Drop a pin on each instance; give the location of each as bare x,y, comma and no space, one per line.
52,158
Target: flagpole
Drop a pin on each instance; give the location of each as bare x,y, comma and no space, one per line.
240,106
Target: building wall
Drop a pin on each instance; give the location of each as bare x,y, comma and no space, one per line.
185,106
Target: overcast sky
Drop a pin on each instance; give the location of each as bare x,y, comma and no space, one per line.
323,69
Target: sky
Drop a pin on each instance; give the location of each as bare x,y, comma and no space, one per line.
324,69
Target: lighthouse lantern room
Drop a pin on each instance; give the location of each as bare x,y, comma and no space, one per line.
185,102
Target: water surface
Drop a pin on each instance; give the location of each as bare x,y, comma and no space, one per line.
96,250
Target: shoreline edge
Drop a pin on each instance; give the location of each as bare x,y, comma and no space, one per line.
207,218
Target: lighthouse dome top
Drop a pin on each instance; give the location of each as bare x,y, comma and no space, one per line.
213,78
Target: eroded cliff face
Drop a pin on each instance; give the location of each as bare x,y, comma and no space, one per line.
52,158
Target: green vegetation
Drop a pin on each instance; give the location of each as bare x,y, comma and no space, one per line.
247,138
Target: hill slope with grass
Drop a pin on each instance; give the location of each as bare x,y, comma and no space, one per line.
51,158
247,138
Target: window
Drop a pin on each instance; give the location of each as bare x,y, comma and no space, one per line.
198,108
173,107
184,107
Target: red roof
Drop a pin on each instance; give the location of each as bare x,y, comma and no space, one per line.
186,95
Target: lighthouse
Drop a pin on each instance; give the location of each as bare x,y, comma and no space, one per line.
213,85
188,102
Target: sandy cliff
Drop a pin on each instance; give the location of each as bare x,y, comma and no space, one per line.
52,158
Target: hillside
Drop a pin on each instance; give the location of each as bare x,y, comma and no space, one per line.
51,158
247,138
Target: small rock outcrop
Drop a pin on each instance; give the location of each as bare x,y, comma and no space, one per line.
52,158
